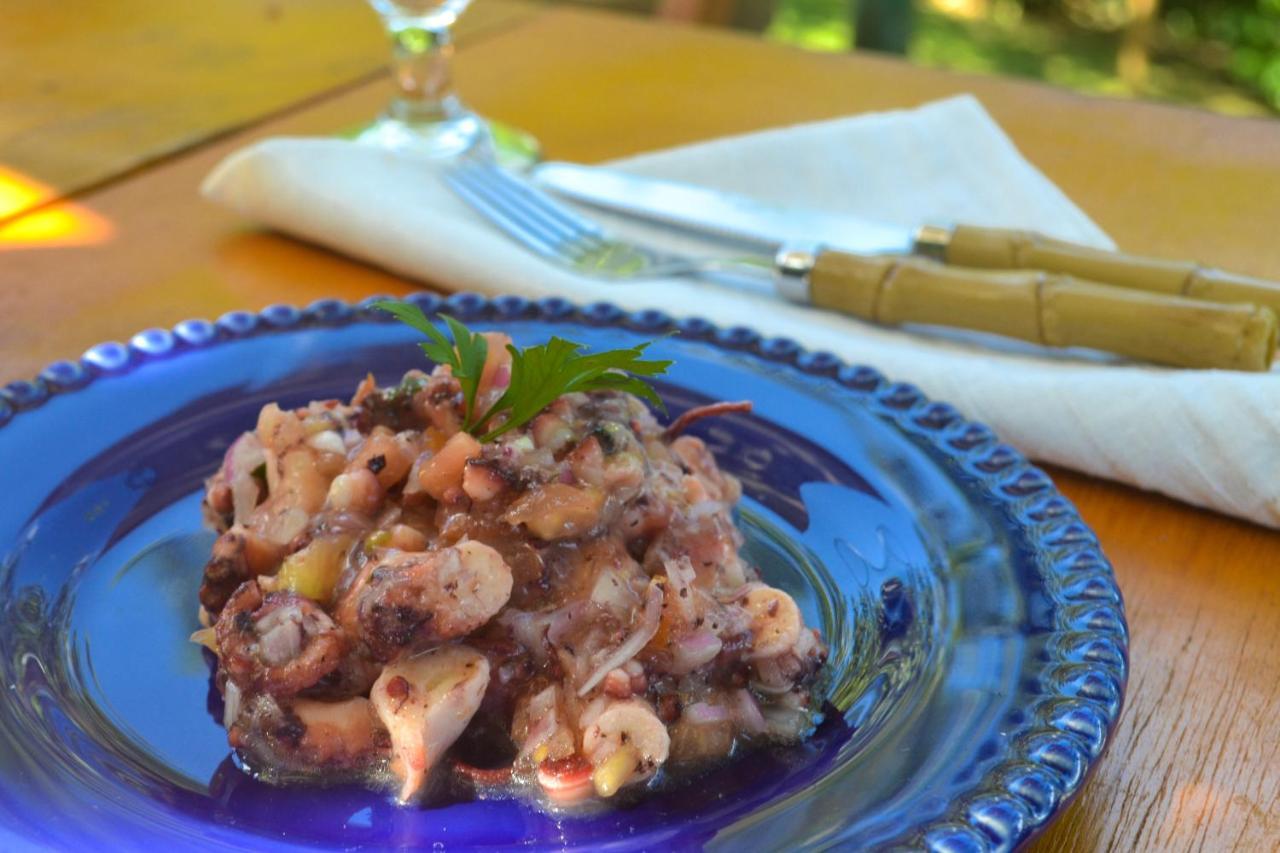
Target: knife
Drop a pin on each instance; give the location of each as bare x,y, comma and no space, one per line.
746,221
1045,308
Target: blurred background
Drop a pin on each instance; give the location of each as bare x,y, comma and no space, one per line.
87,94
1223,55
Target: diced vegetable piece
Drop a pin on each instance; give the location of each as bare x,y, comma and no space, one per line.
386,455
558,510
444,471
616,771
587,462
496,375
406,538
481,482
356,491
550,431
314,570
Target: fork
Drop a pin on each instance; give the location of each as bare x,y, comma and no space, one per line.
558,234
1043,308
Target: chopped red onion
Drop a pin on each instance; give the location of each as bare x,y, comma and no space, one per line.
242,459
704,713
771,676
544,721
694,650
528,629
703,509
230,703
282,528
563,620
631,646
617,684
613,593
746,712
412,485
339,523
328,441
680,575
592,712
787,723
280,635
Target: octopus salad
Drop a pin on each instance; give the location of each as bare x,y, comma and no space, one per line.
421,585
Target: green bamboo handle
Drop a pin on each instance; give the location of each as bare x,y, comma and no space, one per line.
996,248
1049,309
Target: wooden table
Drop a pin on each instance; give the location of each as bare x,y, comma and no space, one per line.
125,243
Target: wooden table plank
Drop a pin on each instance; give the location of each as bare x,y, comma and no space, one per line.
1196,760
1195,764
89,93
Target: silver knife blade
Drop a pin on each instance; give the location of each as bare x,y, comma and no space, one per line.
718,214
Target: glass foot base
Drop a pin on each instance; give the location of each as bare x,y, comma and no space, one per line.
448,138
444,138
513,148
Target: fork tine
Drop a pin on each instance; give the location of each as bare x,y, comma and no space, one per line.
530,213
534,202
498,215
517,214
551,230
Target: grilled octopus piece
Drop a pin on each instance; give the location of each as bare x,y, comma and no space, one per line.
281,643
420,599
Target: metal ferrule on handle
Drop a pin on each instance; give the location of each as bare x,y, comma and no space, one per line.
792,266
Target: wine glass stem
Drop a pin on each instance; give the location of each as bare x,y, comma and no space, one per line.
420,66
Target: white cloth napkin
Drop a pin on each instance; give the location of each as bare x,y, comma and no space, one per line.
1209,438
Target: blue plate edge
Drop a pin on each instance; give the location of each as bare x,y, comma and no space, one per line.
1024,491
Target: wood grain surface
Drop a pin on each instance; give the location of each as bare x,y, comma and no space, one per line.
88,90
1195,764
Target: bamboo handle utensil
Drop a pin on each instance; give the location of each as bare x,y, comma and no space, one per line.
998,248
1047,308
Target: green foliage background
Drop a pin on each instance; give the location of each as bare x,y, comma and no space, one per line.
1220,54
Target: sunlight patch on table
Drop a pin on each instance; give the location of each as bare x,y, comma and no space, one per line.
63,224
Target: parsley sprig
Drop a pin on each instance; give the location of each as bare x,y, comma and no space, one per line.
539,374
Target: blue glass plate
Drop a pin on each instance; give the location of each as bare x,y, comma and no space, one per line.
979,647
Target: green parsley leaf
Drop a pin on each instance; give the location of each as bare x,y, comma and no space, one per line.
437,348
539,374
472,349
465,355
